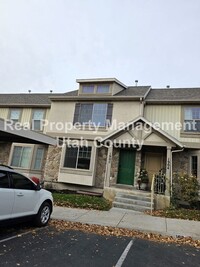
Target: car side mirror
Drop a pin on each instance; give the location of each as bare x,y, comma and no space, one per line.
38,187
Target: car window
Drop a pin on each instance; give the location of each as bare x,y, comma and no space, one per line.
21,182
4,180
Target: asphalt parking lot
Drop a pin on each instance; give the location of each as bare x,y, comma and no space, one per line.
26,246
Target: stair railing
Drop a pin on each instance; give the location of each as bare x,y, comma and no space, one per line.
152,192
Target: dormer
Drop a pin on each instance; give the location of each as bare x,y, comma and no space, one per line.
100,87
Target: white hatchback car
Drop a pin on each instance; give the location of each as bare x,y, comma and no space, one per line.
21,198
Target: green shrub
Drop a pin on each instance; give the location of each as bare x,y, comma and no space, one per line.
185,188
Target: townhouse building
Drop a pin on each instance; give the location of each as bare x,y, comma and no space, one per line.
23,143
106,132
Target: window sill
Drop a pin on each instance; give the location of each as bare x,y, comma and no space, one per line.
76,171
190,134
92,128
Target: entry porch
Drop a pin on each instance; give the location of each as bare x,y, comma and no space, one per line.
151,151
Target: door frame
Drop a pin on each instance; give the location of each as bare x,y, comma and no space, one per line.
134,157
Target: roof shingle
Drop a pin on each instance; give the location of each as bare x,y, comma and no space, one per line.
26,99
174,94
139,91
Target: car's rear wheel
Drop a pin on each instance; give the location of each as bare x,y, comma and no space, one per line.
43,215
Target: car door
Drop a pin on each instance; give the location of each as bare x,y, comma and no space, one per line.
6,196
26,197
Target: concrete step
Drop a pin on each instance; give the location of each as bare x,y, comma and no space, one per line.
137,200
132,201
127,206
134,196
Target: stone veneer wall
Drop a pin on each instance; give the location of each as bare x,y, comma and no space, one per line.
44,164
101,167
181,162
114,166
138,158
5,152
52,164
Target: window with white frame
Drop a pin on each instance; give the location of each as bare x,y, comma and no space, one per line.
96,88
21,157
78,157
93,114
27,157
103,88
38,116
192,119
15,114
88,89
38,158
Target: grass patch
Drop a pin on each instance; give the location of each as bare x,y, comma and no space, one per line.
181,213
81,201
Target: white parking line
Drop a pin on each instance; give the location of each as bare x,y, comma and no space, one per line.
9,238
20,235
124,254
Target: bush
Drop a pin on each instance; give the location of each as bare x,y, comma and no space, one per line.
185,189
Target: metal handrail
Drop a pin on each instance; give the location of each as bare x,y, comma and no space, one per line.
152,192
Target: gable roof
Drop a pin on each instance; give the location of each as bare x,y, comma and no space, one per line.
174,95
140,118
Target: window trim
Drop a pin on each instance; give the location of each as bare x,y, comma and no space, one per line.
24,146
32,156
108,115
184,133
95,89
32,113
36,147
20,114
77,158
195,153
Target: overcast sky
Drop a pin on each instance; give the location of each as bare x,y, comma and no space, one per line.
48,44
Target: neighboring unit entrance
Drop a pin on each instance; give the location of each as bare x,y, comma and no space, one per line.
153,163
126,169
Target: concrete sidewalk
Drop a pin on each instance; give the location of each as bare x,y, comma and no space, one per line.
131,220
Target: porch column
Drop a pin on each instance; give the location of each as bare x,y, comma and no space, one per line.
168,171
108,166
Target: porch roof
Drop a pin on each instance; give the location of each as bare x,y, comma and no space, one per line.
150,124
23,136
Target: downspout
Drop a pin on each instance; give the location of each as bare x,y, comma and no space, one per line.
173,151
142,106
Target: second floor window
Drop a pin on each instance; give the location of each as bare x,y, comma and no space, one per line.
88,89
192,119
95,114
38,116
15,114
96,88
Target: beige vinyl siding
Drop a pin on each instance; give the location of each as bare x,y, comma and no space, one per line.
165,113
26,115
4,113
171,114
